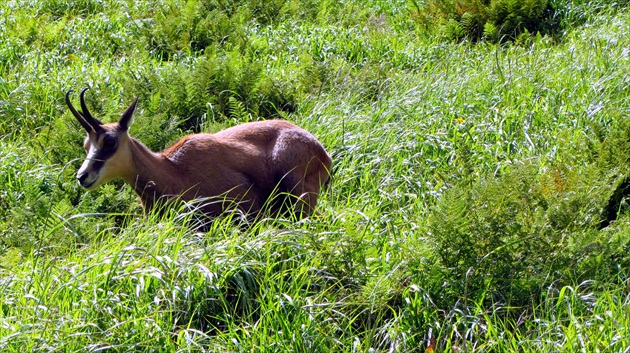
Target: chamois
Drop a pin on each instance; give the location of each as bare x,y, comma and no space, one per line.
272,166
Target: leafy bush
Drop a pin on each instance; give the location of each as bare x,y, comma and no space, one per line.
196,25
83,7
489,19
497,20
506,238
191,26
219,87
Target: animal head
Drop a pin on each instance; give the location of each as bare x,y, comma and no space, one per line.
107,145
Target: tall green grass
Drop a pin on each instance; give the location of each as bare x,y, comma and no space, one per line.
469,181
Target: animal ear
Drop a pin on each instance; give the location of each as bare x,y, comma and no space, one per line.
127,118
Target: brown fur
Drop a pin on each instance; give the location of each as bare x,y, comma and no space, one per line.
244,166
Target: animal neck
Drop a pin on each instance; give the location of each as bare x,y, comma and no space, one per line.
150,175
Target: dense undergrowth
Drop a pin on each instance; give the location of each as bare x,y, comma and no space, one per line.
478,200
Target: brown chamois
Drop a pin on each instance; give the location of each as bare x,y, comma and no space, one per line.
272,166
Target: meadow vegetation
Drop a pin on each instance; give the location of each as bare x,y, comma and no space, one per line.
478,200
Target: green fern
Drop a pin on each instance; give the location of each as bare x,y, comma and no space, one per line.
477,19
490,31
502,233
236,110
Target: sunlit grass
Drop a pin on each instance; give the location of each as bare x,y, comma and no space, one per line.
516,147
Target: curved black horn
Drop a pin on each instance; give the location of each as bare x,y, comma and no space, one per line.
76,114
86,113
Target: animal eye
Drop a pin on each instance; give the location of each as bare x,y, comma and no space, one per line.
109,142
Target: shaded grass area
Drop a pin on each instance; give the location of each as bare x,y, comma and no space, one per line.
470,182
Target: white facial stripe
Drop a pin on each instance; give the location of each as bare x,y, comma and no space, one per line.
90,157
